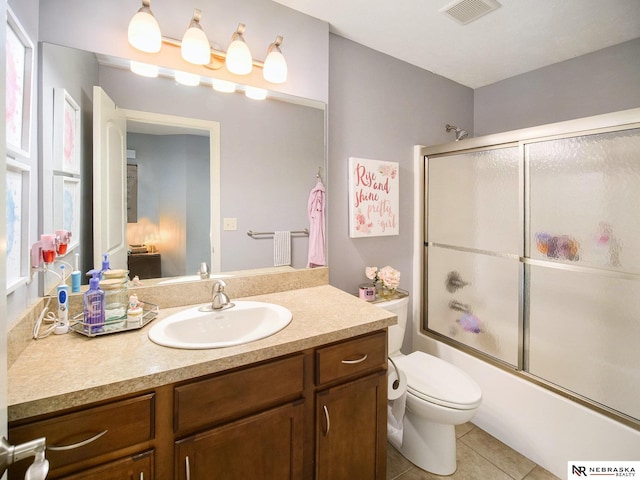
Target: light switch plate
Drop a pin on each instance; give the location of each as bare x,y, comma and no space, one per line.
230,224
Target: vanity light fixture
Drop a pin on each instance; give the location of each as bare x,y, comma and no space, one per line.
188,79
275,66
144,69
255,93
144,31
223,86
195,46
144,34
239,60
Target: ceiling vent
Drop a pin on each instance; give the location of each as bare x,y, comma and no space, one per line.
466,11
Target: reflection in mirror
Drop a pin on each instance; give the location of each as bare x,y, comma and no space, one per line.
270,153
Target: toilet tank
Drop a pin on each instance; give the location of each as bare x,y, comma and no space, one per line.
396,332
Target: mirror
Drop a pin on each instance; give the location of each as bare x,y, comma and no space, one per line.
270,153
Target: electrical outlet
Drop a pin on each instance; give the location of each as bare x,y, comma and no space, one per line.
230,224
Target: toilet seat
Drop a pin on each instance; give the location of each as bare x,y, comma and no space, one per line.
434,380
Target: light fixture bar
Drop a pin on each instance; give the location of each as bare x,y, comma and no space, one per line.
217,54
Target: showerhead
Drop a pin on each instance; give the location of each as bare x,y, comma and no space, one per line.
460,133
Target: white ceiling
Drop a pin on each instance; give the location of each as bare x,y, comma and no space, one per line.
520,36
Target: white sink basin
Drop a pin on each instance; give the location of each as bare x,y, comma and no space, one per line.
243,323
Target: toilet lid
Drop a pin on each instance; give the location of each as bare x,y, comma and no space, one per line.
439,382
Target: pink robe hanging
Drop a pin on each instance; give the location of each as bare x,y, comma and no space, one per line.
316,226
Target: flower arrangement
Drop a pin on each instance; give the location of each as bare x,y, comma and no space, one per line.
386,280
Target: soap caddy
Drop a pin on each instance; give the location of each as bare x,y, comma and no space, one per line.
149,313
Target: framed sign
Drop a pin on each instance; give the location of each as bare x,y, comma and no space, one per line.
19,85
66,133
373,198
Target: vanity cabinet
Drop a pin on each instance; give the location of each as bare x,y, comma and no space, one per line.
135,467
119,430
319,413
351,413
267,445
257,414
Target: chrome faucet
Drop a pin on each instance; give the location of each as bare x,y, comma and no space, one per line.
220,299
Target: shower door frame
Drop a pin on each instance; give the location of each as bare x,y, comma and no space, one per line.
617,121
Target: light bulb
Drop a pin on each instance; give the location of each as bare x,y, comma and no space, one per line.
223,86
255,93
195,46
144,69
144,31
188,79
239,60
275,66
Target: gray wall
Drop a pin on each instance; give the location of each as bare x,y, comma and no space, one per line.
379,108
601,82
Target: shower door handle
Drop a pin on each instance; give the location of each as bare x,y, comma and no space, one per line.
454,282
459,306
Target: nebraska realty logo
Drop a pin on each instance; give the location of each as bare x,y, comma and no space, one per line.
603,469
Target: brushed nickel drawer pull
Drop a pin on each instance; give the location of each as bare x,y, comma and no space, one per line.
186,465
53,448
326,417
360,360
141,475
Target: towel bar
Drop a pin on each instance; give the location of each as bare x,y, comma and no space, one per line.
296,232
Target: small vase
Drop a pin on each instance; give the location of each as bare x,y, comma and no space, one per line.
385,292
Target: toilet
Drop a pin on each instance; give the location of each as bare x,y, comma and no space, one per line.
439,396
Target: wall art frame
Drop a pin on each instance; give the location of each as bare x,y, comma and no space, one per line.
66,207
373,198
66,133
19,70
18,178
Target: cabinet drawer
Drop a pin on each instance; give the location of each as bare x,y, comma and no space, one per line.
136,467
238,393
351,357
124,423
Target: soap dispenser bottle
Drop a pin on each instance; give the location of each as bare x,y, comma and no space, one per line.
105,265
94,305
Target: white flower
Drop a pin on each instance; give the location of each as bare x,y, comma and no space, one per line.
386,277
389,277
371,273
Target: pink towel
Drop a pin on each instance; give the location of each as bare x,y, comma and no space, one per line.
316,226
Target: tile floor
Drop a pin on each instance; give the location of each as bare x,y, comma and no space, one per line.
480,457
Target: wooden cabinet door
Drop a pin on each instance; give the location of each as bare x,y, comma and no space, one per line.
351,430
267,446
137,467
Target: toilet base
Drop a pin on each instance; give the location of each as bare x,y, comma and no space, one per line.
429,445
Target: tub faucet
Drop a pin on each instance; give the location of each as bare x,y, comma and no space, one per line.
220,299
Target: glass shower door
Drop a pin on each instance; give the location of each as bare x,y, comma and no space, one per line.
584,271
474,241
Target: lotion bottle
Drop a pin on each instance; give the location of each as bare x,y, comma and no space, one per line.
94,305
75,276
